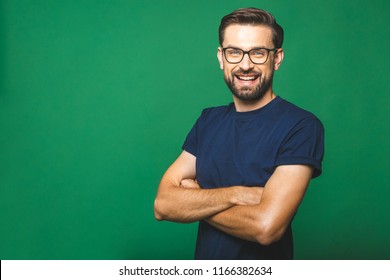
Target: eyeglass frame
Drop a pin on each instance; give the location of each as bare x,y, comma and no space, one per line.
247,52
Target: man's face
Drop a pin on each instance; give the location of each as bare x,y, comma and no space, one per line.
246,80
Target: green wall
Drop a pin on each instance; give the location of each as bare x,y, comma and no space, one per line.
96,98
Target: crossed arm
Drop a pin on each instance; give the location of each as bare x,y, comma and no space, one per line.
259,214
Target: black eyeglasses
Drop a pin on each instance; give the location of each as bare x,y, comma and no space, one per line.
257,56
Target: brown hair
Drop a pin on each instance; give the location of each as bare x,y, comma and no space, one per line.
252,16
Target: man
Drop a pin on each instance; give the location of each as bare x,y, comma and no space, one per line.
245,167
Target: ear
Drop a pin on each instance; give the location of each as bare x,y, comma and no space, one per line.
220,58
279,55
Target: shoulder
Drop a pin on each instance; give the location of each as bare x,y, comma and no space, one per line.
216,113
295,114
218,110
293,109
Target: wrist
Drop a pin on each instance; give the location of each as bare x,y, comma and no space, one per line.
235,194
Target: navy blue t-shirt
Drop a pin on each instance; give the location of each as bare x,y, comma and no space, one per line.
244,148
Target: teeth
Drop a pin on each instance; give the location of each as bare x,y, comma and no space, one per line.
246,78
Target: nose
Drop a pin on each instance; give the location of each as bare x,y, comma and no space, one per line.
246,63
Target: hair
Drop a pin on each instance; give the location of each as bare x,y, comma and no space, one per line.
252,16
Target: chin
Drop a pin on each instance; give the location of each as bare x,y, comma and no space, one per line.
248,96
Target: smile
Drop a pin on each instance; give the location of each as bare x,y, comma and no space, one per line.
246,77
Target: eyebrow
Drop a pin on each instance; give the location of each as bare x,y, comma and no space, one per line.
252,48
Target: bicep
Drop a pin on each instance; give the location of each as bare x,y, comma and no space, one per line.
184,167
283,194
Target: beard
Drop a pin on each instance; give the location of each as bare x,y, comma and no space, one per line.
249,94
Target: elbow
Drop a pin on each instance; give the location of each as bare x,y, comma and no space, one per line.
158,213
268,233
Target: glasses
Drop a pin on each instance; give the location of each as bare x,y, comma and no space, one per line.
257,56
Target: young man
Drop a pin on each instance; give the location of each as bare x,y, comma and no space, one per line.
245,167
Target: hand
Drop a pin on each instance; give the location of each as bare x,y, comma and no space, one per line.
189,184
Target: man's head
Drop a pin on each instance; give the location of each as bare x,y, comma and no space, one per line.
252,16
249,53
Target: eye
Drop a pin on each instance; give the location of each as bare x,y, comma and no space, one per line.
259,52
233,52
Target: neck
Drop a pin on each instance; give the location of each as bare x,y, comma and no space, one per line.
246,106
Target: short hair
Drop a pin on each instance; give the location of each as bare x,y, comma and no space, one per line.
252,16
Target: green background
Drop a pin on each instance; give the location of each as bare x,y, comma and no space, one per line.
96,98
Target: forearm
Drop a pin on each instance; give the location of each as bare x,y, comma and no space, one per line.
251,223
267,221
180,198
186,205
179,203
187,202
238,221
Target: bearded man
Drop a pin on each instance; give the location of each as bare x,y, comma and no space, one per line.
245,167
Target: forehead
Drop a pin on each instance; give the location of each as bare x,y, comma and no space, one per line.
248,36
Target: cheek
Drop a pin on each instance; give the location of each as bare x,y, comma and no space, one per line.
266,71
228,73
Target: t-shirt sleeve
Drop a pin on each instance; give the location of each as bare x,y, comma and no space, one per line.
191,142
304,144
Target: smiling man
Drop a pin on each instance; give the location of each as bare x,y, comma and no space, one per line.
245,167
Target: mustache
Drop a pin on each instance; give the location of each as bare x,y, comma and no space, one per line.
250,72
